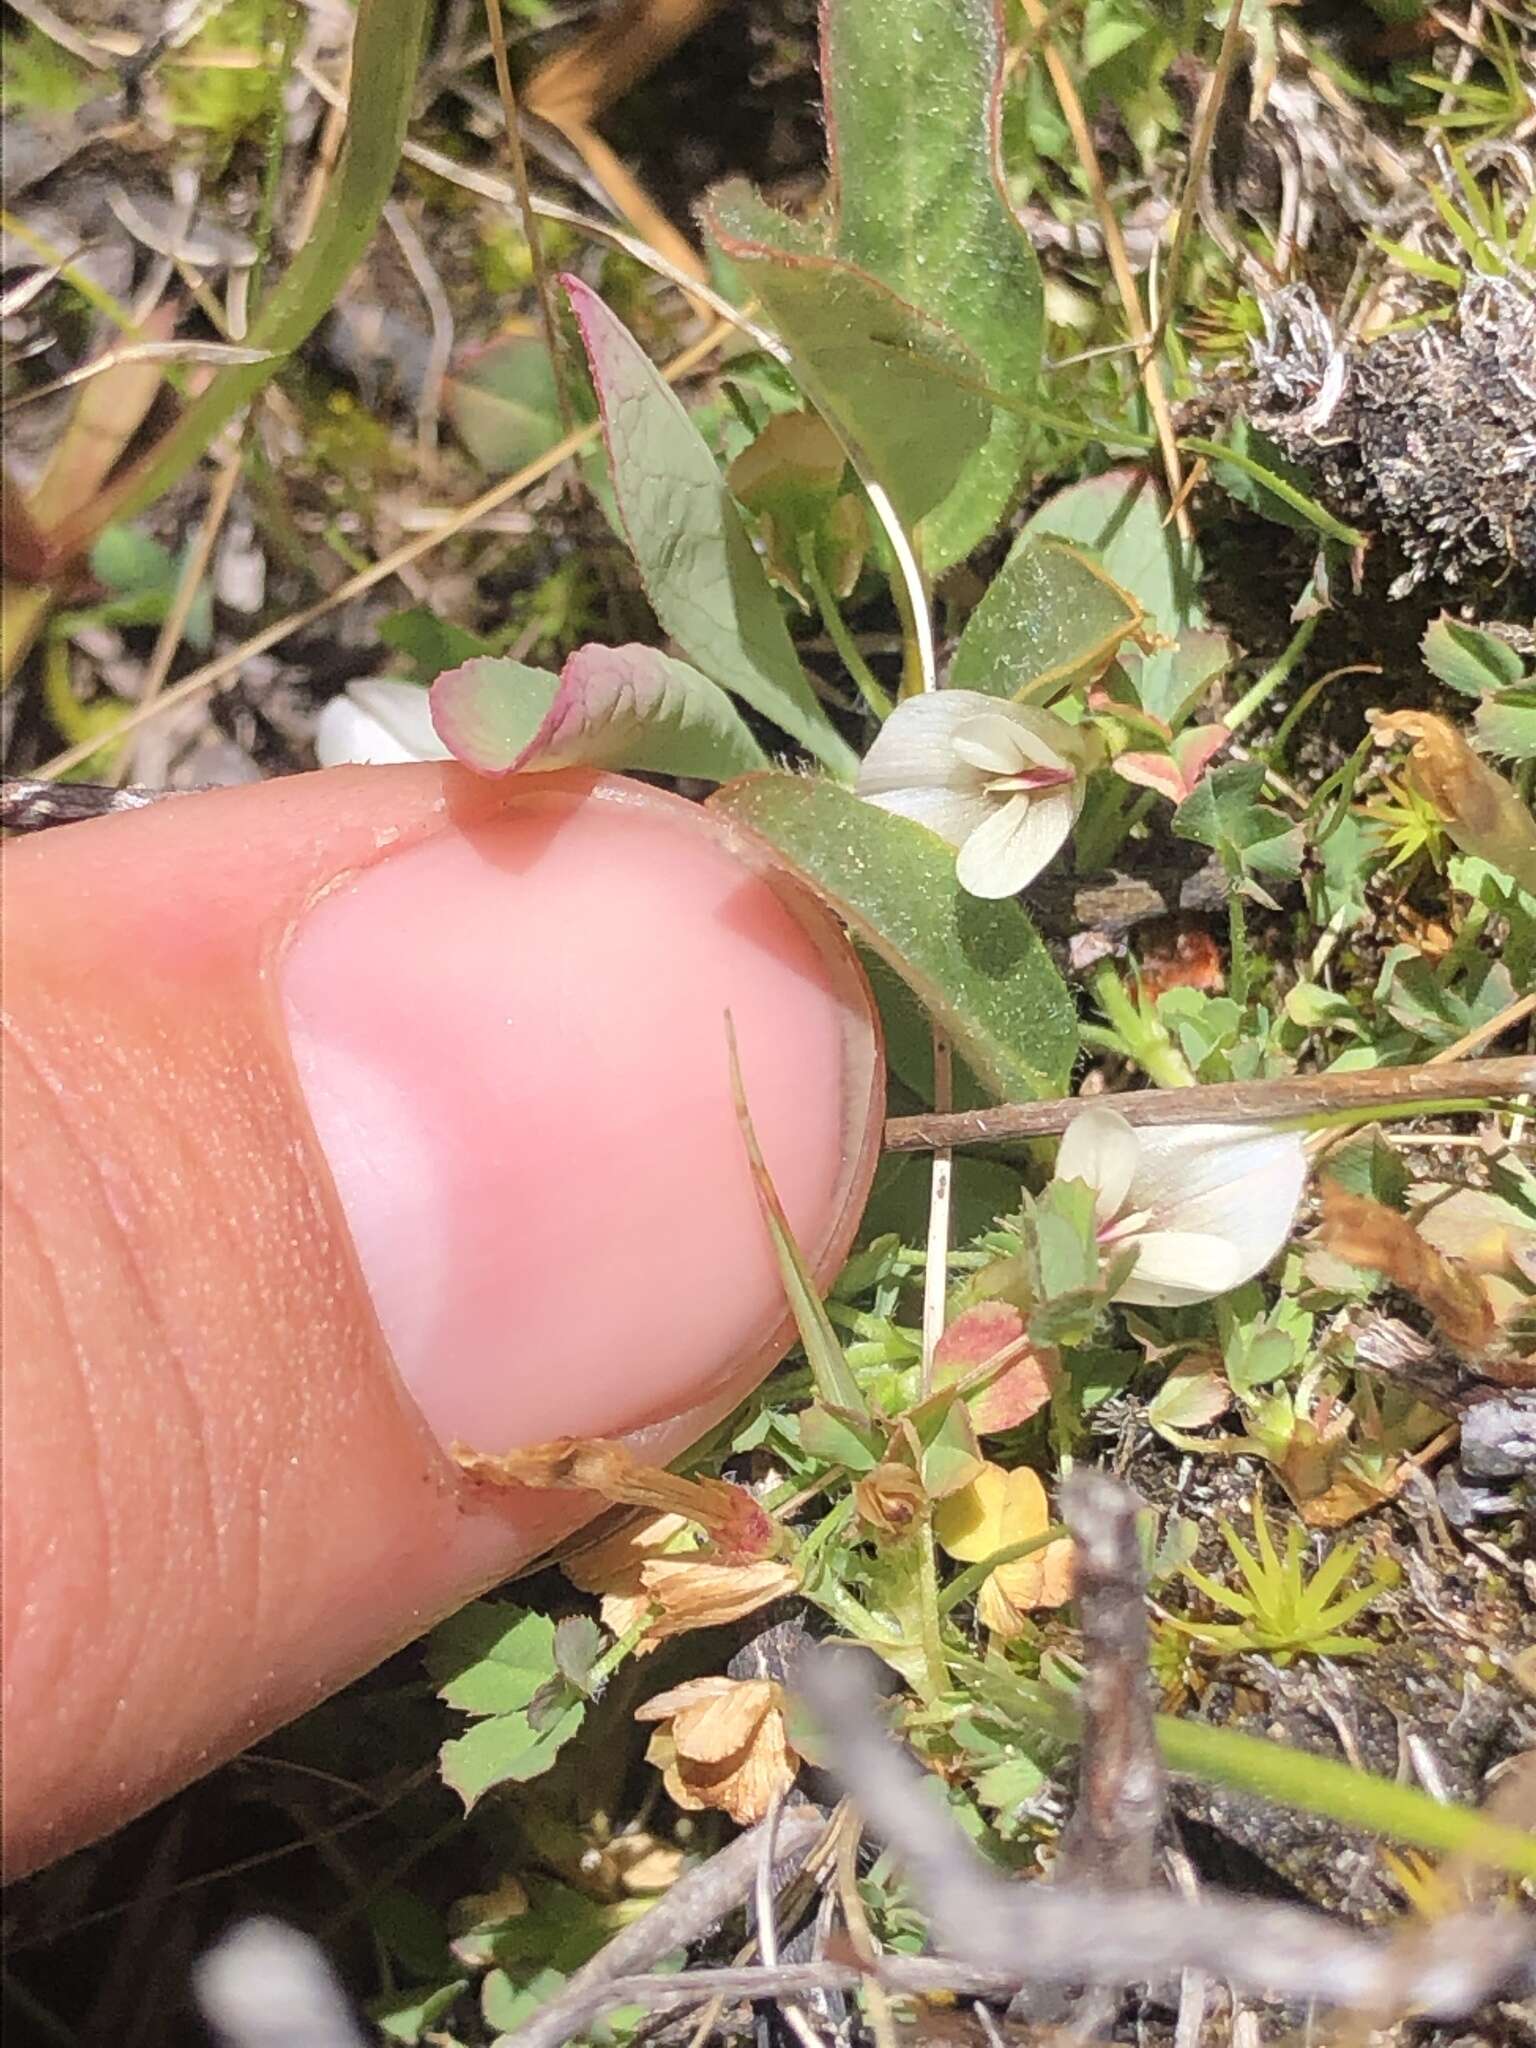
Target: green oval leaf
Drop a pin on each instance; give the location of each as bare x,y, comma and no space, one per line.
892,378
694,555
914,91
502,400
1467,658
979,968
1052,617
614,707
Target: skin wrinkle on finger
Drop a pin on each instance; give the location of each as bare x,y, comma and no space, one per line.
26,1246
142,961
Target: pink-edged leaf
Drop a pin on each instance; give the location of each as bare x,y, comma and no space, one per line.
1175,774
700,570
977,1334
489,709
1153,771
1196,747
614,707
1021,1390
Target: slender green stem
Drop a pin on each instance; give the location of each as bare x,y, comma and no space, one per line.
1277,672
975,1576
621,1647
1240,970
831,1524
869,689
277,137
934,1660
1139,1036
1309,1783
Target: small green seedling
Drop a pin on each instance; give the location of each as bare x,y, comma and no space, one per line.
1283,1612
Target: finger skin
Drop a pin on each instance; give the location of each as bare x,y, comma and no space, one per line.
219,1501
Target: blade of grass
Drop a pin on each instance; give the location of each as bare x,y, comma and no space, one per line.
835,1383
386,52
1308,1783
1317,515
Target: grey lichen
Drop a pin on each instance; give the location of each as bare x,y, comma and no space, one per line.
1427,436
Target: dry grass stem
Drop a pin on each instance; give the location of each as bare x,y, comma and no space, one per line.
226,666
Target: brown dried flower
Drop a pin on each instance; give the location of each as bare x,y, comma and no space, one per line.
722,1744
890,1499
611,1567
700,1593
1368,1233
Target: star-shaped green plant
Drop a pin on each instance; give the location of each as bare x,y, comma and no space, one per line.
1283,1612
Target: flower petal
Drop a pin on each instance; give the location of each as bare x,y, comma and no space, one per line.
1233,1181
1178,1266
1100,1147
914,749
376,720
953,813
1006,852
1049,741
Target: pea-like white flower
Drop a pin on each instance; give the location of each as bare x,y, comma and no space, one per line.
1003,782
1203,1206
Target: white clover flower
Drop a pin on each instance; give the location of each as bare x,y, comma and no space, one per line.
1001,781
1204,1206
377,719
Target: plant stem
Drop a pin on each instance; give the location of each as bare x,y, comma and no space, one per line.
519,162
1141,1037
277,136
1240,972
1273,676
975,1576
869,689
936,1663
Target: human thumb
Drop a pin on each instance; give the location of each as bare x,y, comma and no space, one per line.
347,1117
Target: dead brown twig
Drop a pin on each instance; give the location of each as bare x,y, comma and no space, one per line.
1240,1102
1118,259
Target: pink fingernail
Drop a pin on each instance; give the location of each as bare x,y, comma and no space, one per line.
511,1040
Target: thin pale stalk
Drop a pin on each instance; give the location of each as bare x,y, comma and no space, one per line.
1199,152
936,1267
193,571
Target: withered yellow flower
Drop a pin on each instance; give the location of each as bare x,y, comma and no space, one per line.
997,1509
1483,815
737,1524
722,1744
701,1594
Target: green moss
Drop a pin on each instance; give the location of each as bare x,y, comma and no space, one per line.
204,90
37,77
